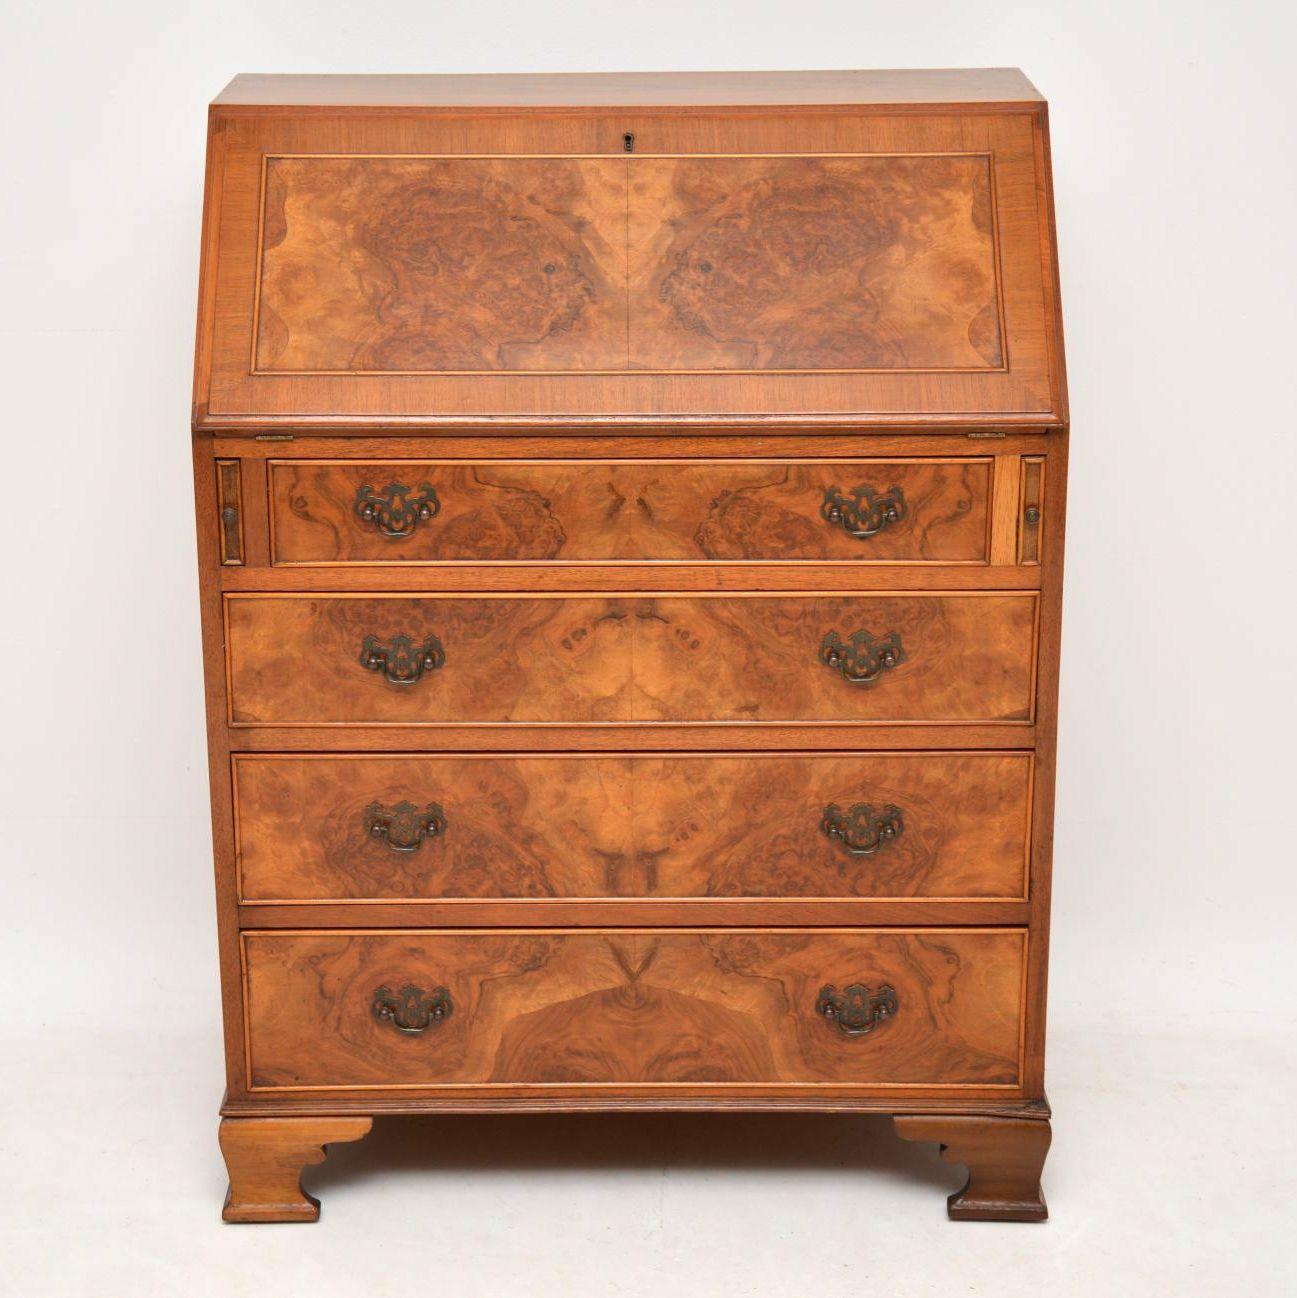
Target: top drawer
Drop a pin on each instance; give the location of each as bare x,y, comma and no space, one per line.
414,511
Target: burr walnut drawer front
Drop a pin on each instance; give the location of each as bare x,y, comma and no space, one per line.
413,511
881,1007
932,825
412,660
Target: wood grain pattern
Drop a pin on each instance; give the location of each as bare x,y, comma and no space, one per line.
631,576
426,264
813,264
265,1158
331,255
1004,1157
645,912
1004,509
615,659
629,827
660,510
671,1008
419,265
552,440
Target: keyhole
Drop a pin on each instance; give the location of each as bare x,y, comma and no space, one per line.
628,142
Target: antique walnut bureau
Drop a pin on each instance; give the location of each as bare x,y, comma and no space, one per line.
630,521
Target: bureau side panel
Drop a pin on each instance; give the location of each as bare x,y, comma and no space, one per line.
218,750
1051,542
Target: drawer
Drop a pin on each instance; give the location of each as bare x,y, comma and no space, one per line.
880,1007
405,660
932,825
411,511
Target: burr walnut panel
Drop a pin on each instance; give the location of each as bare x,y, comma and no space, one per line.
881,511
677,1008
421,265
652,826
442,264
830,263
414,660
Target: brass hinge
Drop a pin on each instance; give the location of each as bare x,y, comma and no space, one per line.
986,434
273,437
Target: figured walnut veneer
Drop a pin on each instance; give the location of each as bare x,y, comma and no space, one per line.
630,526
610,659
842,263
632,827
657,512
419,265
560,1008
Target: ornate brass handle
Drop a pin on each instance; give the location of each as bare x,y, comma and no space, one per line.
404,827
864,828
412,1010
864,657
862,512
396,511
399,660
856,1010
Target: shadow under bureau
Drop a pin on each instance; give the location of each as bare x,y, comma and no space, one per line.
630,516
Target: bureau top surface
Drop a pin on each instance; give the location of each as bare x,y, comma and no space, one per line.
869,250
877,87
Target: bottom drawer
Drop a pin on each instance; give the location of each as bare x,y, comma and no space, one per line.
859,1007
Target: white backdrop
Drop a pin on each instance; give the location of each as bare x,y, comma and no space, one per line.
1173,143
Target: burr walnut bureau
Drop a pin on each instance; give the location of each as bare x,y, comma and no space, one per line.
630,517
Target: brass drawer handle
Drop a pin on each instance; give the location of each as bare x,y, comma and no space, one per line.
863,658
862,512
412,1010
399,660
864,828
404,827
856,1010
396,511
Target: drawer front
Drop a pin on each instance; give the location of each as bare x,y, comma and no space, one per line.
933,825
409,511
392,660
545,1008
